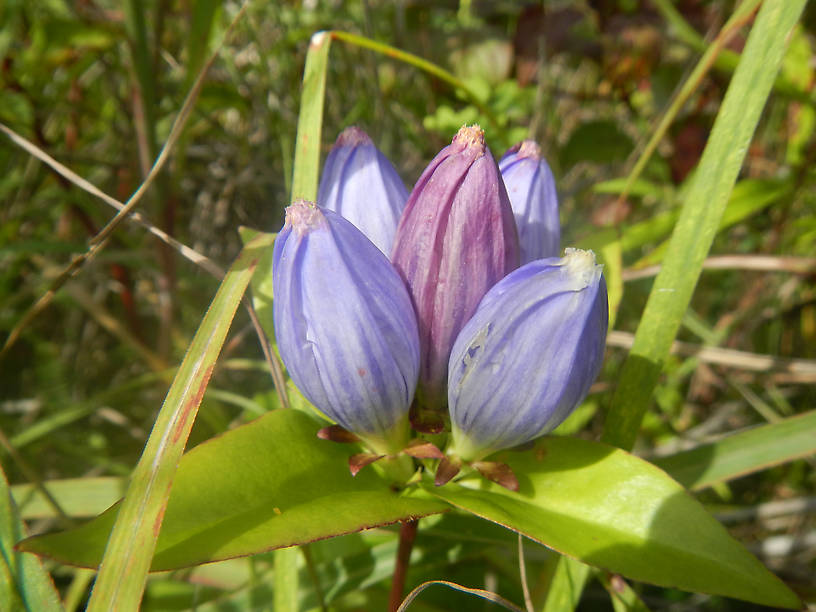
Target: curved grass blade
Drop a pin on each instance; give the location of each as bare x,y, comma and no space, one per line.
420,63
743,453
700,217
488,595
124,568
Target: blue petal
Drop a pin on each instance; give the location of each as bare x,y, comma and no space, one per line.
345,326
528,355
531,188
359,183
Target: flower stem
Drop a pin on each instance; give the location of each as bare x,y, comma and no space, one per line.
408,531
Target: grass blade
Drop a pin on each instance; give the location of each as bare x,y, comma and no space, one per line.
567,585
700,217
310,118
24,584
743,453
123,571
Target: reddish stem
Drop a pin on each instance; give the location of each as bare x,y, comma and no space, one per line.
408,531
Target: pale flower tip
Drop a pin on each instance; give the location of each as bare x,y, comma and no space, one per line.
352,136
529,149
580,266
303,216
470,136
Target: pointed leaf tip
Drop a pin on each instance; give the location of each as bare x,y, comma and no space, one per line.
358,461
446,470
422,449
335,433
500,473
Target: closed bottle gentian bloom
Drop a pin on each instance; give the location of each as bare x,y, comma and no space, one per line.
529,355
531,188
345,326
359,183
455,240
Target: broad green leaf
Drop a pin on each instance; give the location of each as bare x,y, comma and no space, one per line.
607,508
743,453
128,552
24,584
700,217
268,484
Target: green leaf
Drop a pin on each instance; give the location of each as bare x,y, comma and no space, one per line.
24,584
743,453
700,217
607,508
268,484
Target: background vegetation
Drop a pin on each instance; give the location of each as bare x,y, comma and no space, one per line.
98,86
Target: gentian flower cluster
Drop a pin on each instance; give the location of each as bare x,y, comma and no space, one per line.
447,326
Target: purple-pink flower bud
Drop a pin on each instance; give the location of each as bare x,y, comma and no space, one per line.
529,355
531,188
345,326
359,183
455,240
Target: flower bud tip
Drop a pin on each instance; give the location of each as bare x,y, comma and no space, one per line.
351,137
529,148
303,216
470,136
581,267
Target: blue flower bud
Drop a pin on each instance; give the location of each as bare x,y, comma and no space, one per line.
345,326
455,240
359,183
529,354
531,187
